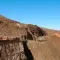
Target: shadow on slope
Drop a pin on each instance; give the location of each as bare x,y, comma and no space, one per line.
28,53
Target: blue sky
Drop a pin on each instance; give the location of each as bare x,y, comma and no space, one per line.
44,13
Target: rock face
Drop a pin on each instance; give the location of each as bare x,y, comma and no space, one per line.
9,27
35,31
12,49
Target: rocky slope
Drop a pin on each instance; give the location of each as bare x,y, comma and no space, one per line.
9,27
42,44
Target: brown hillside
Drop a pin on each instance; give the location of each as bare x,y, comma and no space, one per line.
51,31
41,44
9,27
45,50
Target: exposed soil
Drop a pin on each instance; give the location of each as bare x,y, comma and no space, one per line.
45,50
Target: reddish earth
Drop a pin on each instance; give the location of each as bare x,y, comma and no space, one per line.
57,34
48,49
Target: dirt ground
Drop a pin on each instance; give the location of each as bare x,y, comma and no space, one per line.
46,50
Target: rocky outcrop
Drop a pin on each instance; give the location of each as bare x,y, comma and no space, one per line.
16,44
10,28
13,39
35,31
12,49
